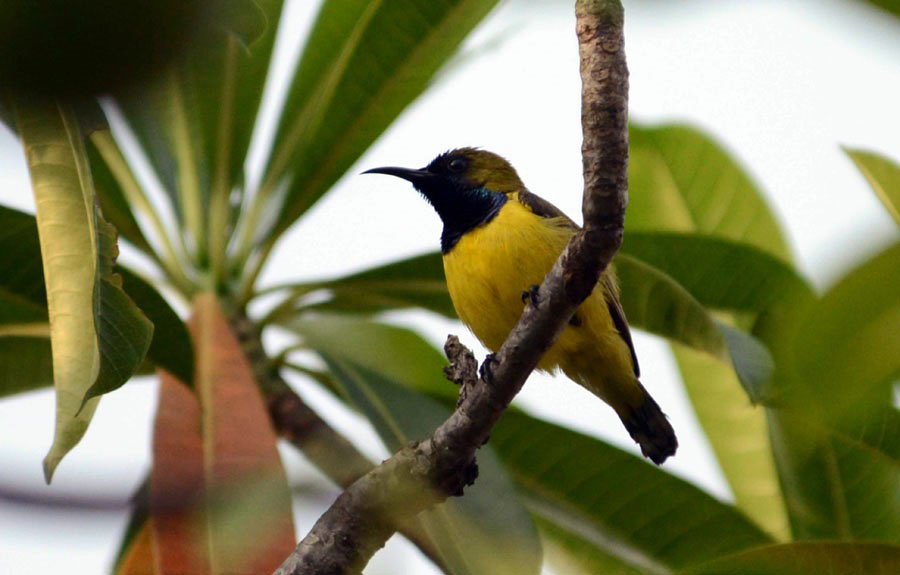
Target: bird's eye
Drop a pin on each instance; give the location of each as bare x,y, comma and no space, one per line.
457,165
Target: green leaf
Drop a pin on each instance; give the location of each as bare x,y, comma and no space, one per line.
22,294
363,64
66,219
23,298
738,435
755,280
113,202
96,333
847,352
26,364
572,554
883,175
837,441
615,502
681,180
806,559
124,334
656,303
836,484
172,348
399,353
414,282
226,78
379,368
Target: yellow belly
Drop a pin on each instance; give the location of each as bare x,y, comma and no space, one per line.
491,266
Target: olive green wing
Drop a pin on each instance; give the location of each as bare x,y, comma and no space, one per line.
545,209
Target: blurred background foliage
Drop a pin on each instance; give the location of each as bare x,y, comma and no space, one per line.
793,387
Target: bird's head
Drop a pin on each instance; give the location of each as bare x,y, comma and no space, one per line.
466,186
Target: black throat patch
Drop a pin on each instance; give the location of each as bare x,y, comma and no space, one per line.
466,212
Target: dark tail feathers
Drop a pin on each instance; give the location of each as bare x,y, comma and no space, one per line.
649,428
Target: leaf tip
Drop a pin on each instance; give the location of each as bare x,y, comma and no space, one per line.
50,463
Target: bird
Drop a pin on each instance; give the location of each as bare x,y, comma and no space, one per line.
498,242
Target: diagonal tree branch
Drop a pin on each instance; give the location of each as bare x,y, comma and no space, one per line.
427,472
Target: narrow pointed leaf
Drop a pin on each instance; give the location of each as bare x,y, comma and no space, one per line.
637,513
414,282
738,434
806,558
98,336
66,218
363,64
113,202
883,175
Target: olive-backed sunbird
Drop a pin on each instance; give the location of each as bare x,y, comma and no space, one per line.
498,240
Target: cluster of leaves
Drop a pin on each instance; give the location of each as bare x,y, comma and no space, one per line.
792,388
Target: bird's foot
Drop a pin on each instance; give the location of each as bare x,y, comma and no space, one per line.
532,296
486,371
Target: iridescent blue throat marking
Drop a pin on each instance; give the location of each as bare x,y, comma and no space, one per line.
468,210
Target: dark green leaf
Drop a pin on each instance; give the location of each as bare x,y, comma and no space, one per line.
614,501
363,64
656,303
414,282
171,348
243,18
22,293
719,273
124,334
26,364
806,559
836,484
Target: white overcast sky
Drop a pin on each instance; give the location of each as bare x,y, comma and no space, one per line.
781,84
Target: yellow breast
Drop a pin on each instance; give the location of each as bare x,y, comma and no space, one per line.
492,265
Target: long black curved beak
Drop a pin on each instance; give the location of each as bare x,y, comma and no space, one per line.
417,177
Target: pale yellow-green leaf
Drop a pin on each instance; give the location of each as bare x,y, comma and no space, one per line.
736,429
66,214
883,175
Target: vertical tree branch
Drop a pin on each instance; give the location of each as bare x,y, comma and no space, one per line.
427,472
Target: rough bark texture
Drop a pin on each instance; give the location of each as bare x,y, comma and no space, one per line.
427,472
